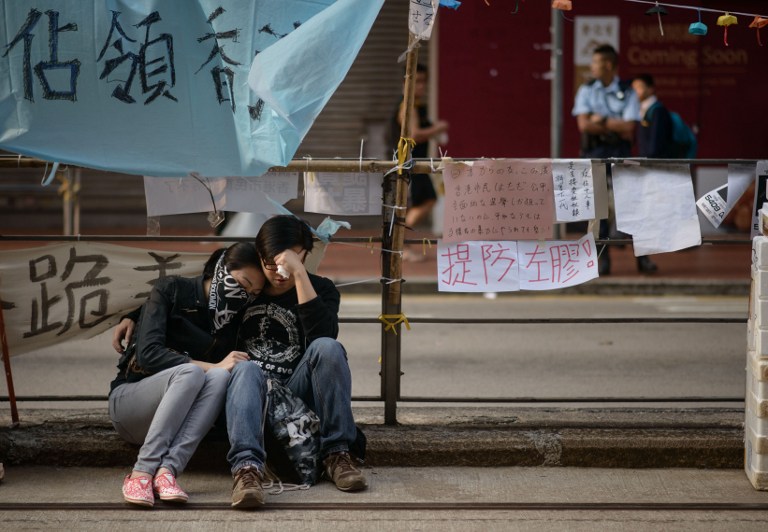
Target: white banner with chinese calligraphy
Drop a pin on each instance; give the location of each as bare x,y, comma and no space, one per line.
59,292
160,88
492,266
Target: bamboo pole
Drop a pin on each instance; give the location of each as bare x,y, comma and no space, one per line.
393,236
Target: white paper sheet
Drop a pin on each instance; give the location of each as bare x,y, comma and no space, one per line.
179,195
350,194
574,190
656,206
508,266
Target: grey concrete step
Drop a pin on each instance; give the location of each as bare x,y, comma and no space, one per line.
441,436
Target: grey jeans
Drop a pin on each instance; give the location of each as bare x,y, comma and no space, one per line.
168,414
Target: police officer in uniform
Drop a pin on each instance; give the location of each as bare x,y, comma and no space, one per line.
607,111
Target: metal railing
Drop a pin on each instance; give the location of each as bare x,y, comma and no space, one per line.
391,269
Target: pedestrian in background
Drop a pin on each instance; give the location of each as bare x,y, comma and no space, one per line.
422,195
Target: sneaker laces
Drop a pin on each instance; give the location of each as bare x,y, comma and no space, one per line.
249,477
344,462
275,486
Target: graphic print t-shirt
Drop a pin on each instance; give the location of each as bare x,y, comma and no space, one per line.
277,330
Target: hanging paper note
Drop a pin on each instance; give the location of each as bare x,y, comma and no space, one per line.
488,266
174,195
574,190
714,205
478,266
498,199
557,263
656,206
353,194
717,203
421,18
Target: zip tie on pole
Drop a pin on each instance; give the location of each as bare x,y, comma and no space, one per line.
359,282
391,320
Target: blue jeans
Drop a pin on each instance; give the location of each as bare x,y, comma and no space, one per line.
322,380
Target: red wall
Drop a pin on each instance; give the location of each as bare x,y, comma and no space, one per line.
494,96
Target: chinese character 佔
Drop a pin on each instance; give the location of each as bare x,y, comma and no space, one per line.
153,60
458,266
84,297
43,68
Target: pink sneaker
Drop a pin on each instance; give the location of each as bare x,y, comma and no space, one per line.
166,488
138,491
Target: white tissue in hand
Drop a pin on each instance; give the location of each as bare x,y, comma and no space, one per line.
282,272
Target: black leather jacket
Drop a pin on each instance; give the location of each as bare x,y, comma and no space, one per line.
173,327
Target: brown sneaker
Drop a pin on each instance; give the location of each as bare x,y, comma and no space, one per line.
247,491
341,469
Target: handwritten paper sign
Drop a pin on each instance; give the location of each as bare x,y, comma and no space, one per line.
557,263
491,266
354,194
59,292
421,18
173,195
574,190
477,266
498,199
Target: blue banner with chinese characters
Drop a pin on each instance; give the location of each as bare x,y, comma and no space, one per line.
161,87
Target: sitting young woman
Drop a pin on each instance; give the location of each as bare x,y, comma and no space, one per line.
172,379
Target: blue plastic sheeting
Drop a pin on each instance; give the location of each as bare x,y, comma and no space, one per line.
161,88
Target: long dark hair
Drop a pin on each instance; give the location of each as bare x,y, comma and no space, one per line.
280,233
236,256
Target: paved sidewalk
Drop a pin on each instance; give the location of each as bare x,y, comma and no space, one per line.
482,499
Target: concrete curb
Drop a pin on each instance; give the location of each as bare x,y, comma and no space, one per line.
448,436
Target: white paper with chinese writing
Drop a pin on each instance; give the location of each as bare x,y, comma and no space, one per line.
353,194
491,266
498,199
574,190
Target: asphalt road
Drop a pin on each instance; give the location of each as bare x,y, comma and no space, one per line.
490,361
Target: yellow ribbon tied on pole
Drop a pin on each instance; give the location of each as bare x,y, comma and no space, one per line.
391,320
402,152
